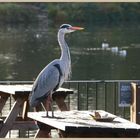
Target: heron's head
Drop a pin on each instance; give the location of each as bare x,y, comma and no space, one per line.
67,28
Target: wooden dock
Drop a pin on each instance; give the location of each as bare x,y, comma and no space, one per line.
81,124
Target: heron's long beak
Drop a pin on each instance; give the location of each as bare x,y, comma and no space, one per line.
76,28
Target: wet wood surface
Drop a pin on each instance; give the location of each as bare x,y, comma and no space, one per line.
80,124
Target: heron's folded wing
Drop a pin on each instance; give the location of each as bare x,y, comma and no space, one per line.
47,80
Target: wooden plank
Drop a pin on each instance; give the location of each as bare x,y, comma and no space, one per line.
26,89
61,104
98,133
1,123
11,117
75,123
3,94
51,122
25,109
80,119
3,99
64,90
61,92
19,118
24,125
135,105
43,133
1,120
12,89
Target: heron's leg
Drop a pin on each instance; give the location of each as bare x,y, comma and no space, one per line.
48,105
52,108
47,109
51,104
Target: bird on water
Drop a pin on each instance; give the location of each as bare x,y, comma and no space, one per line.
55,73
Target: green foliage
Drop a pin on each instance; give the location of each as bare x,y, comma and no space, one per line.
86,13
94,12
15,13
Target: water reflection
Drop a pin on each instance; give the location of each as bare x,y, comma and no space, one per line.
25,50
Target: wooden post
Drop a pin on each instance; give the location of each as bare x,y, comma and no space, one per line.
3,99
1,123
8,123
61,104
25,109
43,131
135,105
59,98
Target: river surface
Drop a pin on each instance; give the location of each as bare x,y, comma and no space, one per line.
26,50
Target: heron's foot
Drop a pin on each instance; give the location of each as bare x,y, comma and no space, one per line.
50,116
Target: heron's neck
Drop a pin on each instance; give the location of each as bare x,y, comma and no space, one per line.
65,54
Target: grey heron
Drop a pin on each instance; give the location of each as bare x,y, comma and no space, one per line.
55,73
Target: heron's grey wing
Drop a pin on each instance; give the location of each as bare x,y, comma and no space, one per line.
46,82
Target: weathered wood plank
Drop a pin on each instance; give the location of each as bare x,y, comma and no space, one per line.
43,131
135,104
43,134
24,125
78,121
1,123
15,89
25,109
11,117
98,133
61,103
19,118
26,89
3,99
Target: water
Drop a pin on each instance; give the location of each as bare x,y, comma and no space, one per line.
26,50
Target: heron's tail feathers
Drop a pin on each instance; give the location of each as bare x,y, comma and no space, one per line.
33,101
